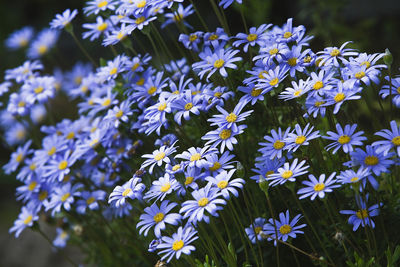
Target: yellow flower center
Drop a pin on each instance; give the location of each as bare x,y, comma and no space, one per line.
28,219
32,185
70,135
285,229
140,82
300,139
297,93
278,144
32,167
19,158
202,202
135,66
218,94
371,160
177,245
195,157
273,51
192,37
113,71
359,75
261,74
354,179
140,20
158,217
141,4
159,156
152,90
307,59
222,184
189,180
362,214
213,37
43,195
38,90
318,85
102,27
274,82
162,106
287,174
176,167
215,166
269,173
219,63
251,37
84,88
165,187
225,134
396,140
102,4
255,92
366,63
335,52
344,139
65,197
42,49
21,104
106,102
319,103
257,229
63,165
292,61
126,192
319,187
23,42
120,35
188,106
287,35
231,117
90,200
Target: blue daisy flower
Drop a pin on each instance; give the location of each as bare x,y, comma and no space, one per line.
272,78
275,143
351,177
25,219
162,187
178,16
391,90
254,231
342,92
332,55
63,20
131,189
218,164
224,137
392,140
318,187
94,30
265,168
89,200
229,120
296,91
20,38
300,137
372,160
186,104
158,157
345,138
63,196
225,185
158,217
62,236
283,227
196,156
288,172
255,36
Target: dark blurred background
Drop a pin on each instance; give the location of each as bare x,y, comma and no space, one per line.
372,26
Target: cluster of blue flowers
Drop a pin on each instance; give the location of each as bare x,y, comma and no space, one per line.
86,164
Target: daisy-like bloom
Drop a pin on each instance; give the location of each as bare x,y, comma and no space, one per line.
89,200
206,199
332,55
363,215
265,168
217,38
255,230
272,78
96,29
158,217
152,87
392,90
20,38
25,219
230,120
185,104
285,228
223,136
226,3
217,96
345,138
45,40
318,187
255,36
372,160
191,41
296,91
113,68
275,143
271,54
131,189
95,6
224,183
61,238
62,196
18,104
342,93
63,20
321,82
196,156
315,105
216,165
363,59
4,87
18,157
288,33
177,244
294,59
22,73
60,166
39,89
300,137
118,114
117,35
360,74
352,177
252,94
140,20
177,68
162,187
392,140
158,157
178,16
217,61
288,172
